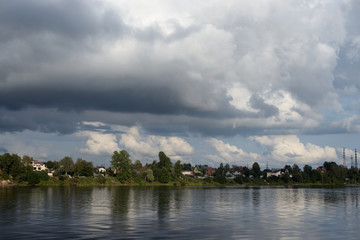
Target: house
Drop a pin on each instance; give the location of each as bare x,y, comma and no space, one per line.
100,169
230,175
38,166
210,171
187,173
275,172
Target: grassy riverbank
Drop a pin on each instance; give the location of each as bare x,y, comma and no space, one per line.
113,181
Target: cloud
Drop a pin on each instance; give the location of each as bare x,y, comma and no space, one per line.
150,145
104,139
3,150
350,124
289,150
247,68
41,146
227,153
99,143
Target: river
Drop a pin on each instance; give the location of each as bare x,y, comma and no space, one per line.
179,213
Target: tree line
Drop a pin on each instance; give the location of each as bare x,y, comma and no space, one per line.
164,170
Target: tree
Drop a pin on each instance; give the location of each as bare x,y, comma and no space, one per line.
137,166
17,167
83,168
122,163
307,173
296,173
256,172
67,165
239,179
32,178
286,177
11,165
164,161
101,179
177,169
52,165
219,175
226,168
162,175
149,176
246,171
289,168
26,160
187,167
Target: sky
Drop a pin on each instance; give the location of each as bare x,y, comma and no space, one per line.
207,82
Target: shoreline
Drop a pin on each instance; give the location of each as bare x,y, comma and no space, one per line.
8,183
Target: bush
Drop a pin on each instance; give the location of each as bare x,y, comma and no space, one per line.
220,179
43,176
32,178
101,179
63,178
239,179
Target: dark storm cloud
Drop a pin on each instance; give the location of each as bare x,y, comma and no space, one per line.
24,27
45,120
71,18
64,61
158,99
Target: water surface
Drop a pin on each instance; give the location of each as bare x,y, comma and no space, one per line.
179,213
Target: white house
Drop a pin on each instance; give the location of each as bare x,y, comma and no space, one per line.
188,173
101,169
277,172
38,166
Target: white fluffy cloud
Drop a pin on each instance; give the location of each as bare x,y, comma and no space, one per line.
227,153
142,145
99,143
288,150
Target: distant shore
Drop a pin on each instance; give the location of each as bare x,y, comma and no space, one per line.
111,181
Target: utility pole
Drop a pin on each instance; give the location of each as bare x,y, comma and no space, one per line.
344,162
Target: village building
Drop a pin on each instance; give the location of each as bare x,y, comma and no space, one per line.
38,166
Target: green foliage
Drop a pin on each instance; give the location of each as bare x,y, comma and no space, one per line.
52,165
32,178
220,179
11,165
122,163
43,176
149,175
187,167
219,175
255,171
164,162
26,161
296,174
246,171
20,170
101,179
63,178
162,175
177,169
83,168
286,177
239,179
67,165
138,168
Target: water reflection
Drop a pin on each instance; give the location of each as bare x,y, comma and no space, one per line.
188,212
